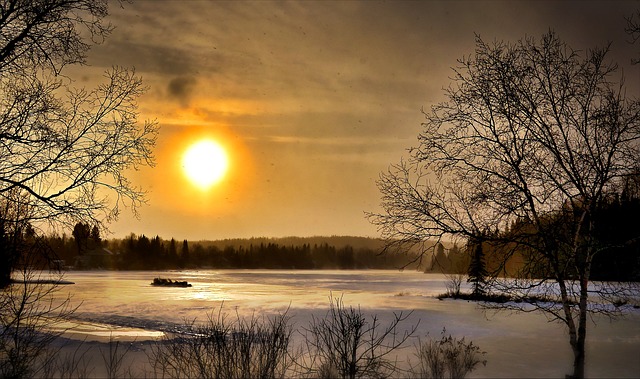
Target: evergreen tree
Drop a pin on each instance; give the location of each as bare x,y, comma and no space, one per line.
95,236
173,253
440,260
81,233
184,254
477,270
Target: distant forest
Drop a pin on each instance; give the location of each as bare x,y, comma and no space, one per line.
85,250
616,234
615,231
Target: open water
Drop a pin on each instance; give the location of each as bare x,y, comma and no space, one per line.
123,305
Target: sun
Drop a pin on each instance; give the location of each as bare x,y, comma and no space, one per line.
205,163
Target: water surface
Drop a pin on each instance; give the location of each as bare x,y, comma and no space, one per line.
123,304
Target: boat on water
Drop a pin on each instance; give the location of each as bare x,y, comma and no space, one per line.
163,282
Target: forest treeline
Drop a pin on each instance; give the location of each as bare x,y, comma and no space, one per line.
615,234
85,250
615,229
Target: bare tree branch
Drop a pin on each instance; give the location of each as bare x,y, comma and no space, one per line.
533,142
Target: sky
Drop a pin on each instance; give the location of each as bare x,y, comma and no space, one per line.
311,100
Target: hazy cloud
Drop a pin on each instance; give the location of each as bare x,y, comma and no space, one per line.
166,60
181,89
323,95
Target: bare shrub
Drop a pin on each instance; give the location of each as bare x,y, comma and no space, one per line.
113,359
459,267
74,364
448,357
453,283
245,348
345,344
27,310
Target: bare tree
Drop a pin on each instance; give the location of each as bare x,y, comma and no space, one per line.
24,316
28,313
532,132
65,149
64,152
48,34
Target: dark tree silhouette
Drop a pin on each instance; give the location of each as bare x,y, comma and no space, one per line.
440,260
81,234
531,131
477,269
64,152
63,149
95,236
184,254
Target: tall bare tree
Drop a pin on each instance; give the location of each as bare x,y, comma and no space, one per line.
532,132
65,149
64,152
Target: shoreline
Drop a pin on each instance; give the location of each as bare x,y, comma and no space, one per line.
88,331
43,281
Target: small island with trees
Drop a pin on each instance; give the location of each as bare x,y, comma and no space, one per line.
164,282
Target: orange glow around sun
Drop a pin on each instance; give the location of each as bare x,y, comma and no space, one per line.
205,163
203,166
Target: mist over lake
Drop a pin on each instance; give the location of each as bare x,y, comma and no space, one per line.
126,307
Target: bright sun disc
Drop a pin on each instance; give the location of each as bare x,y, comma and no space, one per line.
205,163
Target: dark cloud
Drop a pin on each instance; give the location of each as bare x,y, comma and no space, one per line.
165,60
181,88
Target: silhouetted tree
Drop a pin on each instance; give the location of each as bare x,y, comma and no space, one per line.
184,254
477,270
63,148
532,131
172,253
440,260
458,270
143,251
95,236
81,234
14,216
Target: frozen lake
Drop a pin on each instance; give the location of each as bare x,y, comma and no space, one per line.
125,305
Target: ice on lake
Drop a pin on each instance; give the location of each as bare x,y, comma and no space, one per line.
123,305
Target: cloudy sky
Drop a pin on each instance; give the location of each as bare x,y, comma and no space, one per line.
311,99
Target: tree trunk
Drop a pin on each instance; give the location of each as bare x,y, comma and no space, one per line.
576,334
7,263
6,266
5,276
578,361
578,345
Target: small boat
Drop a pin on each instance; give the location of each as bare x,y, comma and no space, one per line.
169,283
